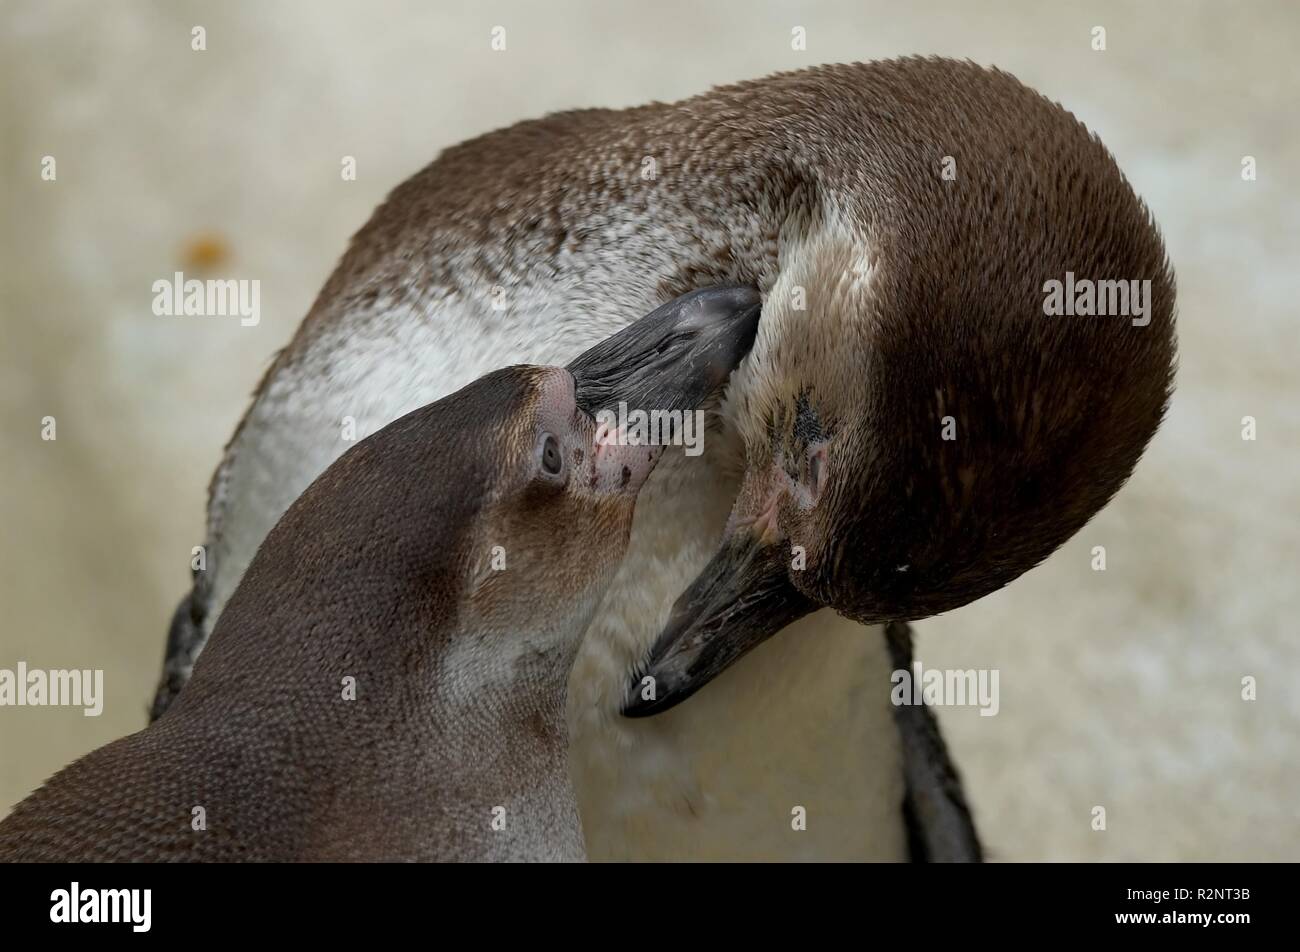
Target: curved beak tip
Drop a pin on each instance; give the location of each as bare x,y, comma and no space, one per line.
673,357
648,698
739,600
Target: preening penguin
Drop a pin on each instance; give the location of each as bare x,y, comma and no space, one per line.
380,686
901,290
921,426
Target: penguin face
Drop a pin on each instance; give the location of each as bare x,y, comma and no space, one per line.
911,445
558,521
567,501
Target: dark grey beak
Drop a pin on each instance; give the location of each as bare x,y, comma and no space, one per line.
672,358
742,598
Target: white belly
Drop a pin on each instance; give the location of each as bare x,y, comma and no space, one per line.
803,721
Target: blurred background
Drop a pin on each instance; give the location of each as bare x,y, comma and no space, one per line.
1119,688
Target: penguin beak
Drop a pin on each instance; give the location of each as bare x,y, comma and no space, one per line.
742,598
672,358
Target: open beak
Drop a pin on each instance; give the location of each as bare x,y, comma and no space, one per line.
742,598
672,358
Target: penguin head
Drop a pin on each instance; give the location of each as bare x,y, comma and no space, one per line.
556,520
917,433
559,514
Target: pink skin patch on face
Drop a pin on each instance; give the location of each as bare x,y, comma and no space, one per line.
607,461
764,524
761,514
618,464
759,503
608,436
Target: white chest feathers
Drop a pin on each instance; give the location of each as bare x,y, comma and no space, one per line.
791,754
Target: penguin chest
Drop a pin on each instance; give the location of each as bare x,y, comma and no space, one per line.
790,754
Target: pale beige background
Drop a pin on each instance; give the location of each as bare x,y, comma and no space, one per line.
1119,689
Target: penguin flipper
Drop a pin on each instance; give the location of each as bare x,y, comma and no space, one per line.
184,639
940,828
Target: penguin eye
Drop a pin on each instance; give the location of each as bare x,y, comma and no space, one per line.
552,461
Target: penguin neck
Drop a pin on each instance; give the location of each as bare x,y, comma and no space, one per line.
413,660
498,726
514,679
438,723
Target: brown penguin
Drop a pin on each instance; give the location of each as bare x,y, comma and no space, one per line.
901,219
388,681
955,372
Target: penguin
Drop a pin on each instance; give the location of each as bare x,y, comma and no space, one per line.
387,682
918,202
936,421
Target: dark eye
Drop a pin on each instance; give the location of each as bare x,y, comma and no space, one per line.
552,462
